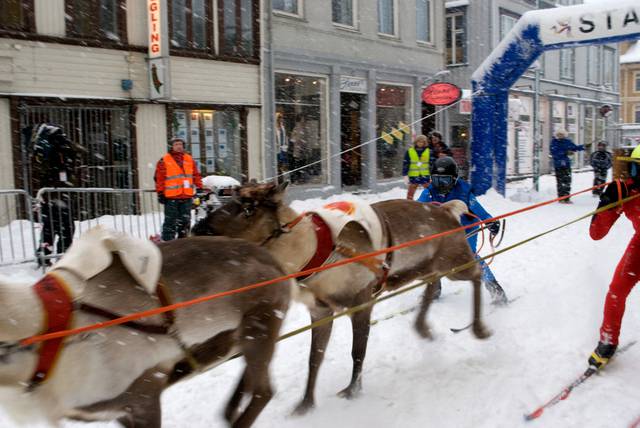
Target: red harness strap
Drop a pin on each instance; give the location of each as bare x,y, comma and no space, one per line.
58,308
325,245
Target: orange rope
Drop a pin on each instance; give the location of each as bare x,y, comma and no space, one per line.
135,316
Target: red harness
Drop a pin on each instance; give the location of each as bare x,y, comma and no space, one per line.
58,309
325,245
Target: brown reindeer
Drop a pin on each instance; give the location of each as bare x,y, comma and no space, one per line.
121,371
259,214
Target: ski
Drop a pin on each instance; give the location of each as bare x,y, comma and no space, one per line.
564,394
394,314
468,326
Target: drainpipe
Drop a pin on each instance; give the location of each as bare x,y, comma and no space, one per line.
536,123
268,94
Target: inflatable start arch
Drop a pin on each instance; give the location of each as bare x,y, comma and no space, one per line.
536,31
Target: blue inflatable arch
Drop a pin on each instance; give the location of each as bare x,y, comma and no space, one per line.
536,31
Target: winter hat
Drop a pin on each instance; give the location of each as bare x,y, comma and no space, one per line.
176,139
561,133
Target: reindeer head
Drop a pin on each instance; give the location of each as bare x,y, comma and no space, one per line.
252,214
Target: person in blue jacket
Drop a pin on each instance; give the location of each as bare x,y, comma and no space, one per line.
560,149
446,186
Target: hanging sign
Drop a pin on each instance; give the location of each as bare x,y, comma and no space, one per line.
441,94
158,59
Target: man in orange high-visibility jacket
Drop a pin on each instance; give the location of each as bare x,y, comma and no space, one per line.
177,178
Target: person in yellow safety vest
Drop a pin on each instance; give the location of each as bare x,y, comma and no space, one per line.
415,167
177,178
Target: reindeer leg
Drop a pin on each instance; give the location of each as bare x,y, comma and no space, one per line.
479,329
258,341
421,325
360,323
319,339
232,411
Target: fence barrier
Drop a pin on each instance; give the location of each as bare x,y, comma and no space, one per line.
18,242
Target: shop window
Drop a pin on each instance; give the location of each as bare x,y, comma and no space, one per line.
213,139
636,116
567,64
287,6
456,37
343,12
423,20
301,134
96,19
239,24
387,17
191,25
636,78
393,112
16,15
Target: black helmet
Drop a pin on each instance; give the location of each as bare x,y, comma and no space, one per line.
444,174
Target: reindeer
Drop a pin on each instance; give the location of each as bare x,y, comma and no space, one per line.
258,214
120,372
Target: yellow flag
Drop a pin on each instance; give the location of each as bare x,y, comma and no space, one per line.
396,133
404,127
387,138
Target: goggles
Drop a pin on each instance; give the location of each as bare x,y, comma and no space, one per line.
443,183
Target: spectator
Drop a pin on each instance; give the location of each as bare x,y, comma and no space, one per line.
601,161
561,148
415,166
438,147
177,178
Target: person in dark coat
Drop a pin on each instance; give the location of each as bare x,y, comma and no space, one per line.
177,180
438,147
447,186
601,160
415,166
560,149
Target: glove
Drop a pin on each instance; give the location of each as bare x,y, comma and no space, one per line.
161,198
405,179
494,228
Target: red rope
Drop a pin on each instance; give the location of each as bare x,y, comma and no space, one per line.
136,316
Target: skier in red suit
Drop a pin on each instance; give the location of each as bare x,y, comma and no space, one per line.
627,273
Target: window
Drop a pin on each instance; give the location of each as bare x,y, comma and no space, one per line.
507,22
393,112
287,6
16,15
387,17
593,65
456,38
342,12
213,139
636,116
301,127
636,78
191,25
609,68
423,23
567,63
239,27
96,19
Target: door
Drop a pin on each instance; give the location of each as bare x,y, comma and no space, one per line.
350,137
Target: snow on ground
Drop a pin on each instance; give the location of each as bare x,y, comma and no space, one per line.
541,342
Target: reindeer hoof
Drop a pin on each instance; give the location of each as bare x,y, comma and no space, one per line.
349,392
424,331
303,408
480,331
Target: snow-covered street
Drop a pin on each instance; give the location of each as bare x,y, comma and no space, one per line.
540,342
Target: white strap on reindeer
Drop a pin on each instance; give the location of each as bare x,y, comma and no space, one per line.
93,252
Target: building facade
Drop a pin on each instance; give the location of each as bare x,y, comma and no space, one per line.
630,93
345,73
87,66
572,84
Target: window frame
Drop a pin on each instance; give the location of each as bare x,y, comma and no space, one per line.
452,13
299,15
29,24
354,17
572,76
210,49
97,33
636,113
614,71
597,61
636,81
507,14
395,34
254,57
430,24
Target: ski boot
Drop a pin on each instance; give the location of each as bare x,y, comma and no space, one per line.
601,355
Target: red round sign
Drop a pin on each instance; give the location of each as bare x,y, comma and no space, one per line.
441,94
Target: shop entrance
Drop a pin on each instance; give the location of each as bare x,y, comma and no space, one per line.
350,136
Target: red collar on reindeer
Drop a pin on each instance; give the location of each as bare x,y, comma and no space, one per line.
58,308
325,244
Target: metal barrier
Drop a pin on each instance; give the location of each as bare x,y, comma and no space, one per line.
66,213
18,240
